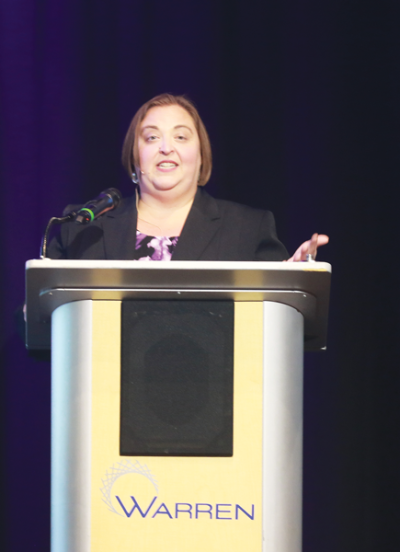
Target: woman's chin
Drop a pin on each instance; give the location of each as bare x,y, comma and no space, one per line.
172,186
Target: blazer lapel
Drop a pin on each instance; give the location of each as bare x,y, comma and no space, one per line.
200,227
203,222
119,228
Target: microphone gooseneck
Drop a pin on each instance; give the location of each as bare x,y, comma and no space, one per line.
52,221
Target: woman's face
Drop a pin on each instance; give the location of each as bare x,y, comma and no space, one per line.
169,153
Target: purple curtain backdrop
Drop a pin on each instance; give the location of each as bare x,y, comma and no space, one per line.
301,100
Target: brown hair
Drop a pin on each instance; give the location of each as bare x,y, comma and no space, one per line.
130,153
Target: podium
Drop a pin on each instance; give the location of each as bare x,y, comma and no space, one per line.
177,396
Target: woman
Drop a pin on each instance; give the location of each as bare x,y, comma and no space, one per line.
167,154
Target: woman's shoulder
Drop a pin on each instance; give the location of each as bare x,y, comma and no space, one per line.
245,233
227,207
86,241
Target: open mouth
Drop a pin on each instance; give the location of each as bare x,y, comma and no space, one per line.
167,165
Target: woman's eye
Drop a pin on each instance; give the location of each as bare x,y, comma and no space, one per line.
181,137
151,138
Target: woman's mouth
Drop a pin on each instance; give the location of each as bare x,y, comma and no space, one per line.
167,165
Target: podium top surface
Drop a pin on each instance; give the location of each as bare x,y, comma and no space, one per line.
51,283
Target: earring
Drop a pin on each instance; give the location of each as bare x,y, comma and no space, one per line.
134,178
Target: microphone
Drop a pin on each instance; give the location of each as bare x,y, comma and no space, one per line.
107,200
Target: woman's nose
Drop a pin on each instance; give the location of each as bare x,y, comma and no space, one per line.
166,146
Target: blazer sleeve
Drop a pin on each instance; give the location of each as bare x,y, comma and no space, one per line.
268,247
57,247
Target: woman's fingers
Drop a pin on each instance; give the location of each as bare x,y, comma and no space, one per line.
323,239
309,247
312,247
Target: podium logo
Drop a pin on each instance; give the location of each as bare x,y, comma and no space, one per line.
126,469
144,502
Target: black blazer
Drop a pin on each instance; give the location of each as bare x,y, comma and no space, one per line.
215,230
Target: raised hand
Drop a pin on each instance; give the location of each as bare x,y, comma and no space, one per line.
309,247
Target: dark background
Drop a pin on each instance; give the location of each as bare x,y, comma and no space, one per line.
301,100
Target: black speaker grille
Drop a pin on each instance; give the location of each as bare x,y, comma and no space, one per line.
177,378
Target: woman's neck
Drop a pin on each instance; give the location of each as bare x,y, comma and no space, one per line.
162,218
